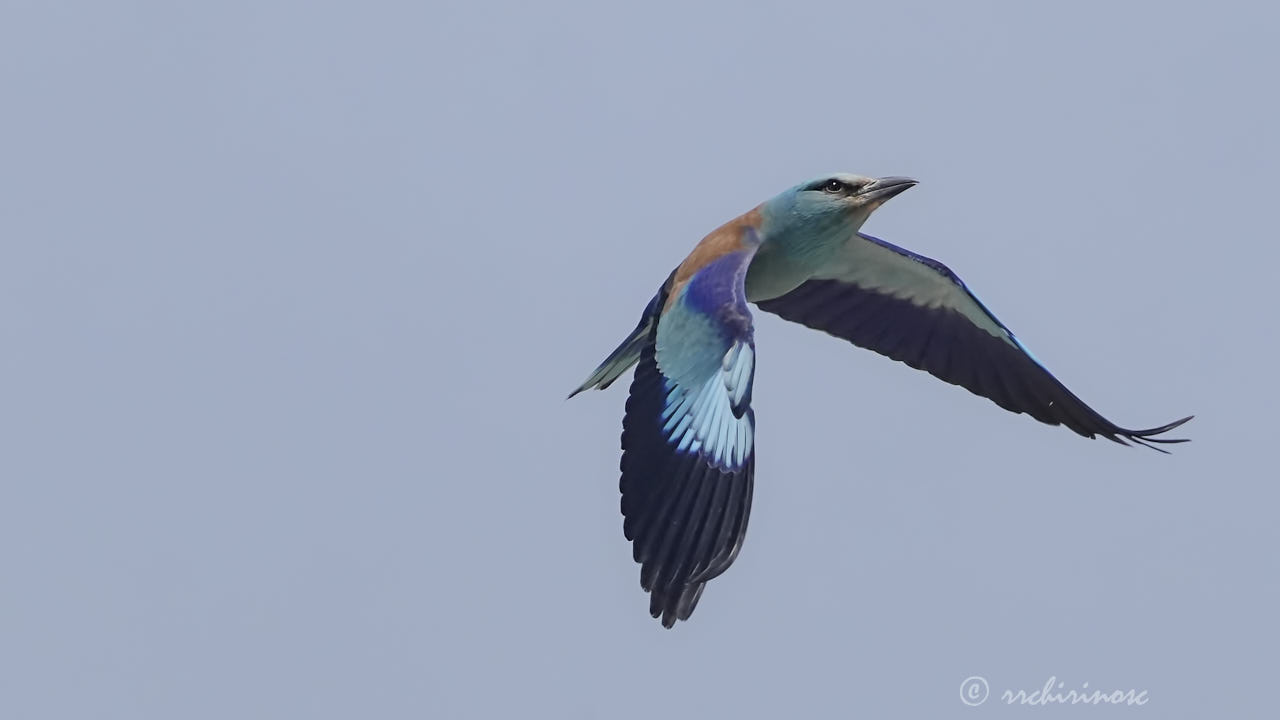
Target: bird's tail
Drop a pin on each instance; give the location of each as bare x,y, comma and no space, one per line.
628,353
621,359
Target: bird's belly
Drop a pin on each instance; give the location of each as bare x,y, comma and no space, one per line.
774,272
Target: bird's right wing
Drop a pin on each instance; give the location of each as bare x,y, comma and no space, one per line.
689,434
914,309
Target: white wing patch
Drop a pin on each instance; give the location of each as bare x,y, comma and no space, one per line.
705,419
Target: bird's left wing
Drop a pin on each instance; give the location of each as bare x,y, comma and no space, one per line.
914,309
688,437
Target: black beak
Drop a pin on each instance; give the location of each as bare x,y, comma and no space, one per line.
881,189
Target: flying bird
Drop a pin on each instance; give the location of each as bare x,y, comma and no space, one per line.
688,435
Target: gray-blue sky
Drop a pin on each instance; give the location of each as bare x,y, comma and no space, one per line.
291,294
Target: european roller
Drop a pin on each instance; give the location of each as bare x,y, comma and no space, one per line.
688,435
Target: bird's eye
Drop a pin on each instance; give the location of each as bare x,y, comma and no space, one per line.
834,186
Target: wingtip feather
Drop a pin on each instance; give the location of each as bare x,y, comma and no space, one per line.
1146,437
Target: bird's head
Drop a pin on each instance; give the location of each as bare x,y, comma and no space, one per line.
842,198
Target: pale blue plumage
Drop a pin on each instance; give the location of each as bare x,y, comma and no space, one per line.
689,431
